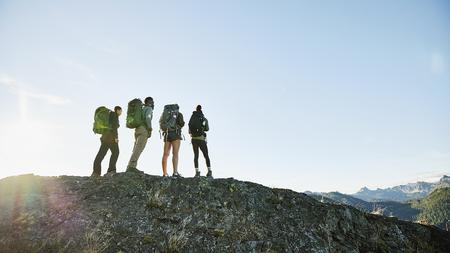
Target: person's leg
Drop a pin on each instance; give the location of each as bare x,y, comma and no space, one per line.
166,153
196,153
141,138
176,148
99,158
132,162
114,156
204,148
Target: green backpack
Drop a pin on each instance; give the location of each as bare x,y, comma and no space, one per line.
102,123
135,113
168,120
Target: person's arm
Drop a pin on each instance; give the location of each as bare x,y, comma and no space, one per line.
206,125
180,120
114,125
148,112
189,124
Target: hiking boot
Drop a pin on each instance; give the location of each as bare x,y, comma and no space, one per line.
134,170
110,174
209,174
197,173
177,175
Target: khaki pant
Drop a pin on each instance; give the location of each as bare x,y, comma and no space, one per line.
141,137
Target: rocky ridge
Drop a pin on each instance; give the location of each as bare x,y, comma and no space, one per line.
143,213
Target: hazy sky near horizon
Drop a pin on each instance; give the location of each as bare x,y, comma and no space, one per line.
305,95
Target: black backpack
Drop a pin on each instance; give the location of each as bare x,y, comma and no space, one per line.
197,124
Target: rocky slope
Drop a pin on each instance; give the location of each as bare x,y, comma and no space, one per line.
143,213
435,208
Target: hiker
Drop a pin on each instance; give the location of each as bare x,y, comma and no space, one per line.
106,123
171,123
198,126
139,117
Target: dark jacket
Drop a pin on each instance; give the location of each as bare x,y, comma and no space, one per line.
112,135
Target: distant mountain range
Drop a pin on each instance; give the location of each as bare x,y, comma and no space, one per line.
420,202
400,210
401,193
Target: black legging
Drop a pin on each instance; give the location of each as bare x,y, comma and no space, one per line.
114,147
196,144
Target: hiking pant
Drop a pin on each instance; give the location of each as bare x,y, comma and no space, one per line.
140,140
114,147
196,144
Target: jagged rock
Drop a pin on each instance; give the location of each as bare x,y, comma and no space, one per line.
142,213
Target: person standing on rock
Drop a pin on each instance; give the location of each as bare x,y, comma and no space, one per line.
171,123
106,122
198,126
139,117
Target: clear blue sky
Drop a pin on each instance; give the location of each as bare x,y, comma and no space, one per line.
306,95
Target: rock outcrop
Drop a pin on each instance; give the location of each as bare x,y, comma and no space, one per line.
141,213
